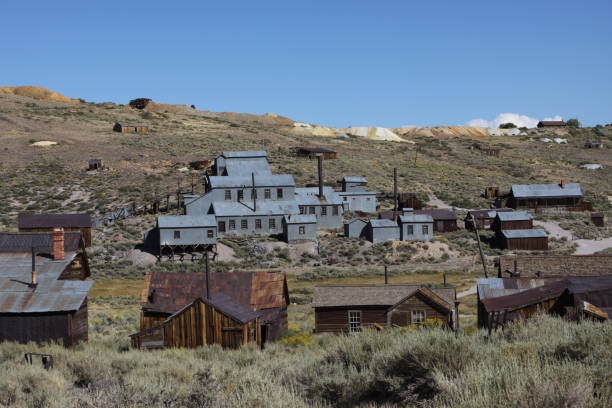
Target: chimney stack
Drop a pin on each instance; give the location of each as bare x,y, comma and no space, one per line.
395,197
58,244
34,281
562,184
254,192
320,166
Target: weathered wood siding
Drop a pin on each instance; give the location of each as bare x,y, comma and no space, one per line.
336,320
79,328
402,314
499,225
85,231
534,244
36,327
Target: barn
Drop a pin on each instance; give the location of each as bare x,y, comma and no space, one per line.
523,239
352,308
43,294
47,222
512,221
123,127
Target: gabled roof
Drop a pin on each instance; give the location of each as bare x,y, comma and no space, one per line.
186,221
438,214
166,292
371,295
415,218
244,154
300,219
271,180
383,224
546,190
225,305
239,209
355,179
22,242
524,233
514,216
247,167
54,220
431,297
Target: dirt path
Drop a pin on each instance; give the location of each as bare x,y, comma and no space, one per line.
583,246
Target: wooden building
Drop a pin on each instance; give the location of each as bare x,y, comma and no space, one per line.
574,298
166,294
523,239
551,123
562,195
313,152
95,163
598,219
47,222
43,294
491,192
518,220
488,150
409,200
593,145
482,218
524,265
123,127
352,308
443,220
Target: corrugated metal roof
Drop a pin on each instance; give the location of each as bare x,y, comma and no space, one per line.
494,287
246,167
383,224
238,209
514,216
437,214
524,233
41,241
355,179
244,153
309,196
54,220
301,219
186,221
415,218
272,180
480,214
546,190
371,295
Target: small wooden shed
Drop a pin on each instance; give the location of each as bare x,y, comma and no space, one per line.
443,220
95,163
312,152
516,220
523,239
131,127
598,219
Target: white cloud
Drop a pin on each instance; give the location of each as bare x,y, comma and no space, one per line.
518,120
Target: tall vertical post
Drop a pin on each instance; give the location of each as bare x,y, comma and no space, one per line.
444,277
320,168
207,277
482,257
395,198
254,192
386,276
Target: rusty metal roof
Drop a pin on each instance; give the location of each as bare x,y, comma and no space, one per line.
54,220
41,241
371,295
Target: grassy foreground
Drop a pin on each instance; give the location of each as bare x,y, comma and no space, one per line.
546,363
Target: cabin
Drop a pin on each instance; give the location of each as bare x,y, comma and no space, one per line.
523,239
533,196
524,265
415,227
313,152
186,232
551,124
409,200
165,295
94,164
491,192
43,292
487,150
123,127
48,222
377,231
353,308
354,228
574,298
512,221
443,220
483,218
598,219
298,228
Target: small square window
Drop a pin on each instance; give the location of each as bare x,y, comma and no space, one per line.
311,210
335,210
345,198
210,233
324,210
267,194
257,223
272,223
417,316
302,209
302,230
425,229
240,195
244,224
232,224
410,229
228,195
177,234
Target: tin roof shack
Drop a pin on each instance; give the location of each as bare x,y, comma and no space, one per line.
560,195
298,228
123,127
598,219
352,308
47,222
483,218
574,298
218,319
512,221
551,123
355,196
313,152
165,294
42,294
186,232
415,227
443,220
354,228
553,265
377,231
523,239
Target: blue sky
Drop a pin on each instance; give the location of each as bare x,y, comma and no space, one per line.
340,63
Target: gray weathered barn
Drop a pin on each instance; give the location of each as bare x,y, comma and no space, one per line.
377,231
354,228
186,232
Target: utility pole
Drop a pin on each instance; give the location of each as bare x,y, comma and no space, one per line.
482,257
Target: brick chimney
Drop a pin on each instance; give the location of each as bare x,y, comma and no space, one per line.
58,244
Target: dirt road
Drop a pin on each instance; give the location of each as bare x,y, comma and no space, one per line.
583,246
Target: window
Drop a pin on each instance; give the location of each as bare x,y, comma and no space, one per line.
335,210
240,195
177,234
302,209
221,226
228,195
354,317
410,229
267,194
324,210
279,193
253,193
244,224
368,199
302,230
272,223
232,224
345,198
257,223
210,233
425,229
417,316
311,210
